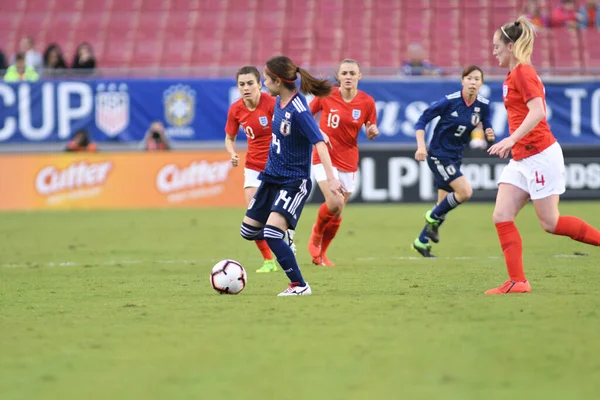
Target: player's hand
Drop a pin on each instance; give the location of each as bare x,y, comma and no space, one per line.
336,186
326,139
235,160
421,154
372,131
502,148
489,135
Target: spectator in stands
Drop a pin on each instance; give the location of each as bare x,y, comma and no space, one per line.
589,15
33,58
417,64
84,61
54,63
533,11
20,72
155,138
564,15
81,142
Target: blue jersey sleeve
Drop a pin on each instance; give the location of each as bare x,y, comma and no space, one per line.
485,117
308,126
434,110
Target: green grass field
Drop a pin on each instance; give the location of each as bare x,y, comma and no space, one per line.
118,305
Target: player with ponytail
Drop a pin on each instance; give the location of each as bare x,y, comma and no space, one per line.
537,168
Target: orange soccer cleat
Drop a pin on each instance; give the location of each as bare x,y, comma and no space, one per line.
510,287
326,262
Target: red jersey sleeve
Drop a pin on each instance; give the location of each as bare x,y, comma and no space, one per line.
315,105
528,84
232,127
371,111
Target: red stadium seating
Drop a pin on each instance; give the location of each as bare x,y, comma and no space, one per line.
209,33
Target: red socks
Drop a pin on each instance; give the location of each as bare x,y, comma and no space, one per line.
578,230
330,231
264,249
324,217
512,247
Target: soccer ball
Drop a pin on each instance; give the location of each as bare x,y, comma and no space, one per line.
228,277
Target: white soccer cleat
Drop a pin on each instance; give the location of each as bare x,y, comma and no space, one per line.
296,290
289,239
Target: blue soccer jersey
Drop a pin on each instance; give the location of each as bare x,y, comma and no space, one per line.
457,120
294,133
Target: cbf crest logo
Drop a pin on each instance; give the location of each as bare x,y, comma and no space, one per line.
475,118
264,121
356,114
180,104
112,108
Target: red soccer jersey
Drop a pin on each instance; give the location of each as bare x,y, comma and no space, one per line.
256,125
341,121
521,85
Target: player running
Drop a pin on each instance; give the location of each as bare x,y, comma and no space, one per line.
460,113
343,113
537,168
285,182
253,112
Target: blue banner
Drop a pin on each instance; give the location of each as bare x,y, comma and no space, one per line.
196,109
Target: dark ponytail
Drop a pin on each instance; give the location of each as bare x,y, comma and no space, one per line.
283,68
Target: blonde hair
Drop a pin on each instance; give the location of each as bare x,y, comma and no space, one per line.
521,33
344,61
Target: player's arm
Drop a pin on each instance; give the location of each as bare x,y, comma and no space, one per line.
430,113
315,105
231,131
535,115
371,124
487,124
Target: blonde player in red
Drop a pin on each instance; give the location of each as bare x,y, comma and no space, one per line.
537,168
343,113
254,113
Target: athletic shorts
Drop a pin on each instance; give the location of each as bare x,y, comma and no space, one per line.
541,175
348,179
251,178
286,199
444,170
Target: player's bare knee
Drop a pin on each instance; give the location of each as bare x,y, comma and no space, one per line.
334,204
464,194
502,216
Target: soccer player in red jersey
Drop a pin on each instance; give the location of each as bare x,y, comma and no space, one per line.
537,168
254,113
343,113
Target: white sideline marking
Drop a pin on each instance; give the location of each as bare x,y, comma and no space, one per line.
211,260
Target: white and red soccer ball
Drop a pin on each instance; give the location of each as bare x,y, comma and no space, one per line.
228,277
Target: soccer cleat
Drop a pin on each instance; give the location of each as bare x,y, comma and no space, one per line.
314,245
432,227
289,239
295,290
510,287
318,260
326,262
422,248
268,266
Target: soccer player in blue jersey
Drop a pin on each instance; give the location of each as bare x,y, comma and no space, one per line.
460,113
285,181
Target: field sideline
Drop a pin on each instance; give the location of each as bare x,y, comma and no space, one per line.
117,304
